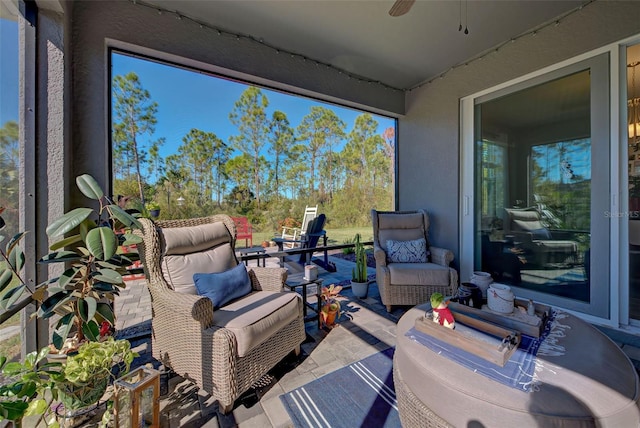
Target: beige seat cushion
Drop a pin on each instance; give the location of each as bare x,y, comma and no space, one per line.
258,316
418,274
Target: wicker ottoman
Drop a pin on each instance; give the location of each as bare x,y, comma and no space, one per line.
586,382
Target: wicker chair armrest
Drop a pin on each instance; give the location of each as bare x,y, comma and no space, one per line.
441,256
192,308
380,255
267,279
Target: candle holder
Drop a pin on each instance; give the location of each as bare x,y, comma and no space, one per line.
137,397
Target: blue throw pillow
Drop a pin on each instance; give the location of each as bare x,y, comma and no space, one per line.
542,233
407,251
223,287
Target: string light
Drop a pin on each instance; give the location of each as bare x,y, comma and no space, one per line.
358,78
277,50
496,49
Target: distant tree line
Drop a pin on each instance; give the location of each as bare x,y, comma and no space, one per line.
9,163
267,171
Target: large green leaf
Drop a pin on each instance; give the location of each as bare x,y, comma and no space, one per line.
66,242
105,310
89,186
91,330
37,407
12,296
131,239
87,308
14,241
13,410
62,330
123,217
68,276
16,258
60,256
108,275
103,287
6,275
102,243
68,222
110,263
47,307
12,368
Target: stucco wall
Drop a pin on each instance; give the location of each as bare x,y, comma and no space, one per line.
97,24
429,143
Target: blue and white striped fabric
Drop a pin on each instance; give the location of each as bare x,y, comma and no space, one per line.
360,394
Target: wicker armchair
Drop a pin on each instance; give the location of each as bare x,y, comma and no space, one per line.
227,350
413,282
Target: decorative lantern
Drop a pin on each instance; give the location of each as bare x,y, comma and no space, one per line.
137,397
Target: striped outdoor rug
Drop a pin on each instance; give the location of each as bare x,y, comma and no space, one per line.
358,395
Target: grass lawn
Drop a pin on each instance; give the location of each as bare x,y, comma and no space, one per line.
334,236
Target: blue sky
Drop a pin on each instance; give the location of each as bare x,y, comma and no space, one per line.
188,99
8,71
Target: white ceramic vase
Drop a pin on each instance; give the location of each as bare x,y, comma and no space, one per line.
500,298
482,280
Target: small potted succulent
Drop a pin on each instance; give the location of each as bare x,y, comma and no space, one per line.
359,281
330,307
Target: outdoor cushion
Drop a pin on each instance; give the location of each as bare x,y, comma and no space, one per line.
193,239
542,233
256,317
400,227
419,274
414,251
225,286
194,249
178,270
556,246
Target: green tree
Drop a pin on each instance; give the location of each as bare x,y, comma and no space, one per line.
389,148
134,115
9,163
238,169
156,162
281,139
196,151
296,170
249,116
321,129
362,143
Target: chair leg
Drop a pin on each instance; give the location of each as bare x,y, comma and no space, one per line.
296,351
388,308
225,409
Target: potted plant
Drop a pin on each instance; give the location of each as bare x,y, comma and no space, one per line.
153,208
359,282
91,251
330,306
78,382
85,376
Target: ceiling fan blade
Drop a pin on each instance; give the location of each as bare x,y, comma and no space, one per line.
400,7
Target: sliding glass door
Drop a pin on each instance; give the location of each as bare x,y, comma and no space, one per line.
539,170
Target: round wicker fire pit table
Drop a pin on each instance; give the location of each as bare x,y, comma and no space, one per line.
582,379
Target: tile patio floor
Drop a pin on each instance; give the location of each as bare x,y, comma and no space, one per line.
364,329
